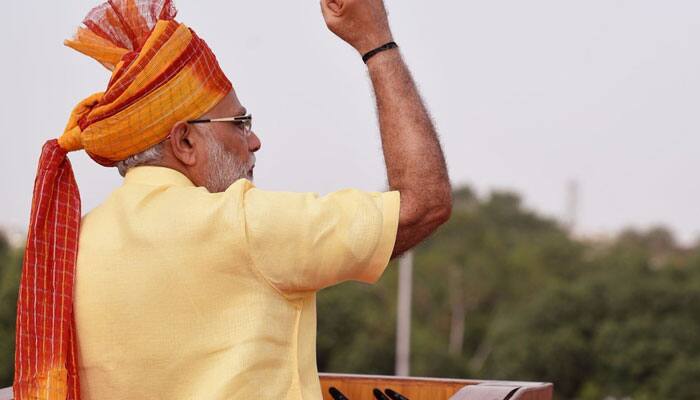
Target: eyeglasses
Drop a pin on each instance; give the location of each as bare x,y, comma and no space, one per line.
246,121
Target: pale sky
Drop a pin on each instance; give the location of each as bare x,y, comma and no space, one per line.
526,96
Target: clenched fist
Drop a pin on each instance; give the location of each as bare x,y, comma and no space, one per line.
361,23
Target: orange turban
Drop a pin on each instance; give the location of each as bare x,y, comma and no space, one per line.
162,73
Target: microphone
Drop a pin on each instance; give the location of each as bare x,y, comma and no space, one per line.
336,394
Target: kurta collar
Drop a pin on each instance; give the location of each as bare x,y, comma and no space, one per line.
153,175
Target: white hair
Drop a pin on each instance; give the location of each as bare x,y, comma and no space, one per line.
150,156
224,168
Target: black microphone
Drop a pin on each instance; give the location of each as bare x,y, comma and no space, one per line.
336,394
395,395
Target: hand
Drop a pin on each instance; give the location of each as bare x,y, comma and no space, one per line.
363,24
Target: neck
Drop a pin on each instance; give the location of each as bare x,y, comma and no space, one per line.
169,161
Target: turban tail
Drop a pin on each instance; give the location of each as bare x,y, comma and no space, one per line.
162,73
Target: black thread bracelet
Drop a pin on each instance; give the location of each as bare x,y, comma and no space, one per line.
371,53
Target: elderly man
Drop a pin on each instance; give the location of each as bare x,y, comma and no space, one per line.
188,282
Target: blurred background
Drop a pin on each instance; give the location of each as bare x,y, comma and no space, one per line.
570,131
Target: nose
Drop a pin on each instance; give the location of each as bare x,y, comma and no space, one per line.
254,142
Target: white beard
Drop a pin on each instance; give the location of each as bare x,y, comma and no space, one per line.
224,168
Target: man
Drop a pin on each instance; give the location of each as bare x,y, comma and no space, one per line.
190,282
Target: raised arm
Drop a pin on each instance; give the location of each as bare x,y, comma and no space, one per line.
415,162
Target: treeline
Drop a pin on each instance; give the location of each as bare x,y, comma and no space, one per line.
10,269
503,293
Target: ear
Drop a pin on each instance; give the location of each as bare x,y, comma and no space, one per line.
184,141
334,7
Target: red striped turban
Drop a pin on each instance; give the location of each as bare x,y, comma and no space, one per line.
162,73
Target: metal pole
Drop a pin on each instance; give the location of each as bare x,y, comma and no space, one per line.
403,315
572,200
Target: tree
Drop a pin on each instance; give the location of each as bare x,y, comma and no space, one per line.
503,293
10,269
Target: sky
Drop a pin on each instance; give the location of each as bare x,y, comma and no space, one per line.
527,96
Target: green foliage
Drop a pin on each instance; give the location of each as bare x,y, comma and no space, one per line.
10,268
613,319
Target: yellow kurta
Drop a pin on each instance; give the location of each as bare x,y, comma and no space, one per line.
184,294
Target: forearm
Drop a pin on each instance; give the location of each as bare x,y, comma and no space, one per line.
414,159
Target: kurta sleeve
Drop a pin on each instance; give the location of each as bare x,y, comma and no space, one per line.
304,242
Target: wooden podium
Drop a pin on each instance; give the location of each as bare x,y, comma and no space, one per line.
359,387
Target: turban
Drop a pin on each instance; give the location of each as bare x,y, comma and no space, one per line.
162,73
